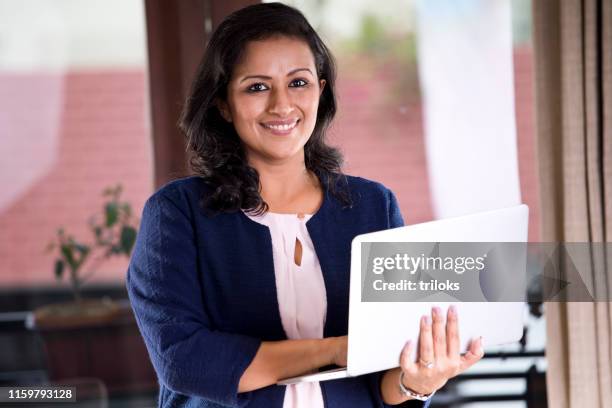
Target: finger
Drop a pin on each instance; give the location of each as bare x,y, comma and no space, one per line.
439,333
426,351
473,355
406,361
452,332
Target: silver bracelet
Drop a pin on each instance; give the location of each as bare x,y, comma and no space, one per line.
410,393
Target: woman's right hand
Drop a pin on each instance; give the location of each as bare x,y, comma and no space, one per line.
279,360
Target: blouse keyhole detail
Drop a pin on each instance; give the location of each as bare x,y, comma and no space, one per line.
297,255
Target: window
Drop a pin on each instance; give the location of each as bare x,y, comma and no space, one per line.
73,122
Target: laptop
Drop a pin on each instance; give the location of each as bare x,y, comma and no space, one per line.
375,337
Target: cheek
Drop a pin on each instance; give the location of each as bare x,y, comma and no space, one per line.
310,102
246,108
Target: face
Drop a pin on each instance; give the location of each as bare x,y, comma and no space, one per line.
272,99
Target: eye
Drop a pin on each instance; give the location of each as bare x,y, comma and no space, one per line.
298,83
258,87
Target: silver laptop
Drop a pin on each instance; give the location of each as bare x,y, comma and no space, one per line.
375,334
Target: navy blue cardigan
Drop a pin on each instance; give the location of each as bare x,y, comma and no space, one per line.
203,291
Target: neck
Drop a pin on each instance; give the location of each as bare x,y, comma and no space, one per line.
288,186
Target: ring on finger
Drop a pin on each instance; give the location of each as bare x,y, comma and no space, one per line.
426,364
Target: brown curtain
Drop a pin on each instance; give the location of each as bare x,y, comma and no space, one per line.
573,76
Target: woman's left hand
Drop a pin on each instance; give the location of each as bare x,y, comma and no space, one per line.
438,357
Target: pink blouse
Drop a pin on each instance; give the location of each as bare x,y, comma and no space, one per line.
301,293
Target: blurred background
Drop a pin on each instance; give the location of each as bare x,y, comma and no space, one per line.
435,101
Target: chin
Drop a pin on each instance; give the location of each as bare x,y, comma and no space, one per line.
283,154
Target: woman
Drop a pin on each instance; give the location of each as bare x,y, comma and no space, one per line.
240,275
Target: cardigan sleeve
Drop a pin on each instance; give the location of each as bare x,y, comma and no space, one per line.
394,220
395,215
166,295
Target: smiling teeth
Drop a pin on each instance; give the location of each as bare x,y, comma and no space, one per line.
282,127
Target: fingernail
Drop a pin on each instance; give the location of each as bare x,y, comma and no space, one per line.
427,320
480,349
436,311
452,310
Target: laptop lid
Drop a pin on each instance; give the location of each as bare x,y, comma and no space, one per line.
379,330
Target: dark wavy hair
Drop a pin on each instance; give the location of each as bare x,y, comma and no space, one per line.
216,152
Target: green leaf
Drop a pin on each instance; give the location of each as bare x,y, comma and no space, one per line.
83,251
114,192
67,252
127,239
59,268
112,214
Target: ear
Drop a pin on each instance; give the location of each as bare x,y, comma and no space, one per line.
322,83
224,110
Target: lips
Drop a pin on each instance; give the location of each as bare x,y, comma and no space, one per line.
281,126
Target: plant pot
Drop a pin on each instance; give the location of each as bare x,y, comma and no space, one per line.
95,339
84,313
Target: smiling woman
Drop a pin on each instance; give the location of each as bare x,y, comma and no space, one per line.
240,275
264,92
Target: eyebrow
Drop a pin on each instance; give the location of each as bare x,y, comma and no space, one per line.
268,77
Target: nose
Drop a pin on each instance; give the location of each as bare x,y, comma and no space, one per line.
280,102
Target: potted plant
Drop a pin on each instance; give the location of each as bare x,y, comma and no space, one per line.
114,234
95,338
